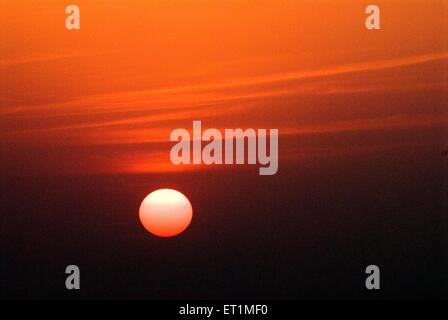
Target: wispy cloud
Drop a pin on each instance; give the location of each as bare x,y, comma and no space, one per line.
148,115
17,61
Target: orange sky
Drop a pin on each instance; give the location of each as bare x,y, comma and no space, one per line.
138,69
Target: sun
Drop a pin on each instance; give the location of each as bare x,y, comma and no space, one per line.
165,212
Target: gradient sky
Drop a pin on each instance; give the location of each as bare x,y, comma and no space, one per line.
105,98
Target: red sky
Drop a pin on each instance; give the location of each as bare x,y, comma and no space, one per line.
105,98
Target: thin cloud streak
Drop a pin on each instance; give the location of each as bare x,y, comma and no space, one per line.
165,95
100,119
13,62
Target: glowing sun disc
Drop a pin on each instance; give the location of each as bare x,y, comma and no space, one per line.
165,212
